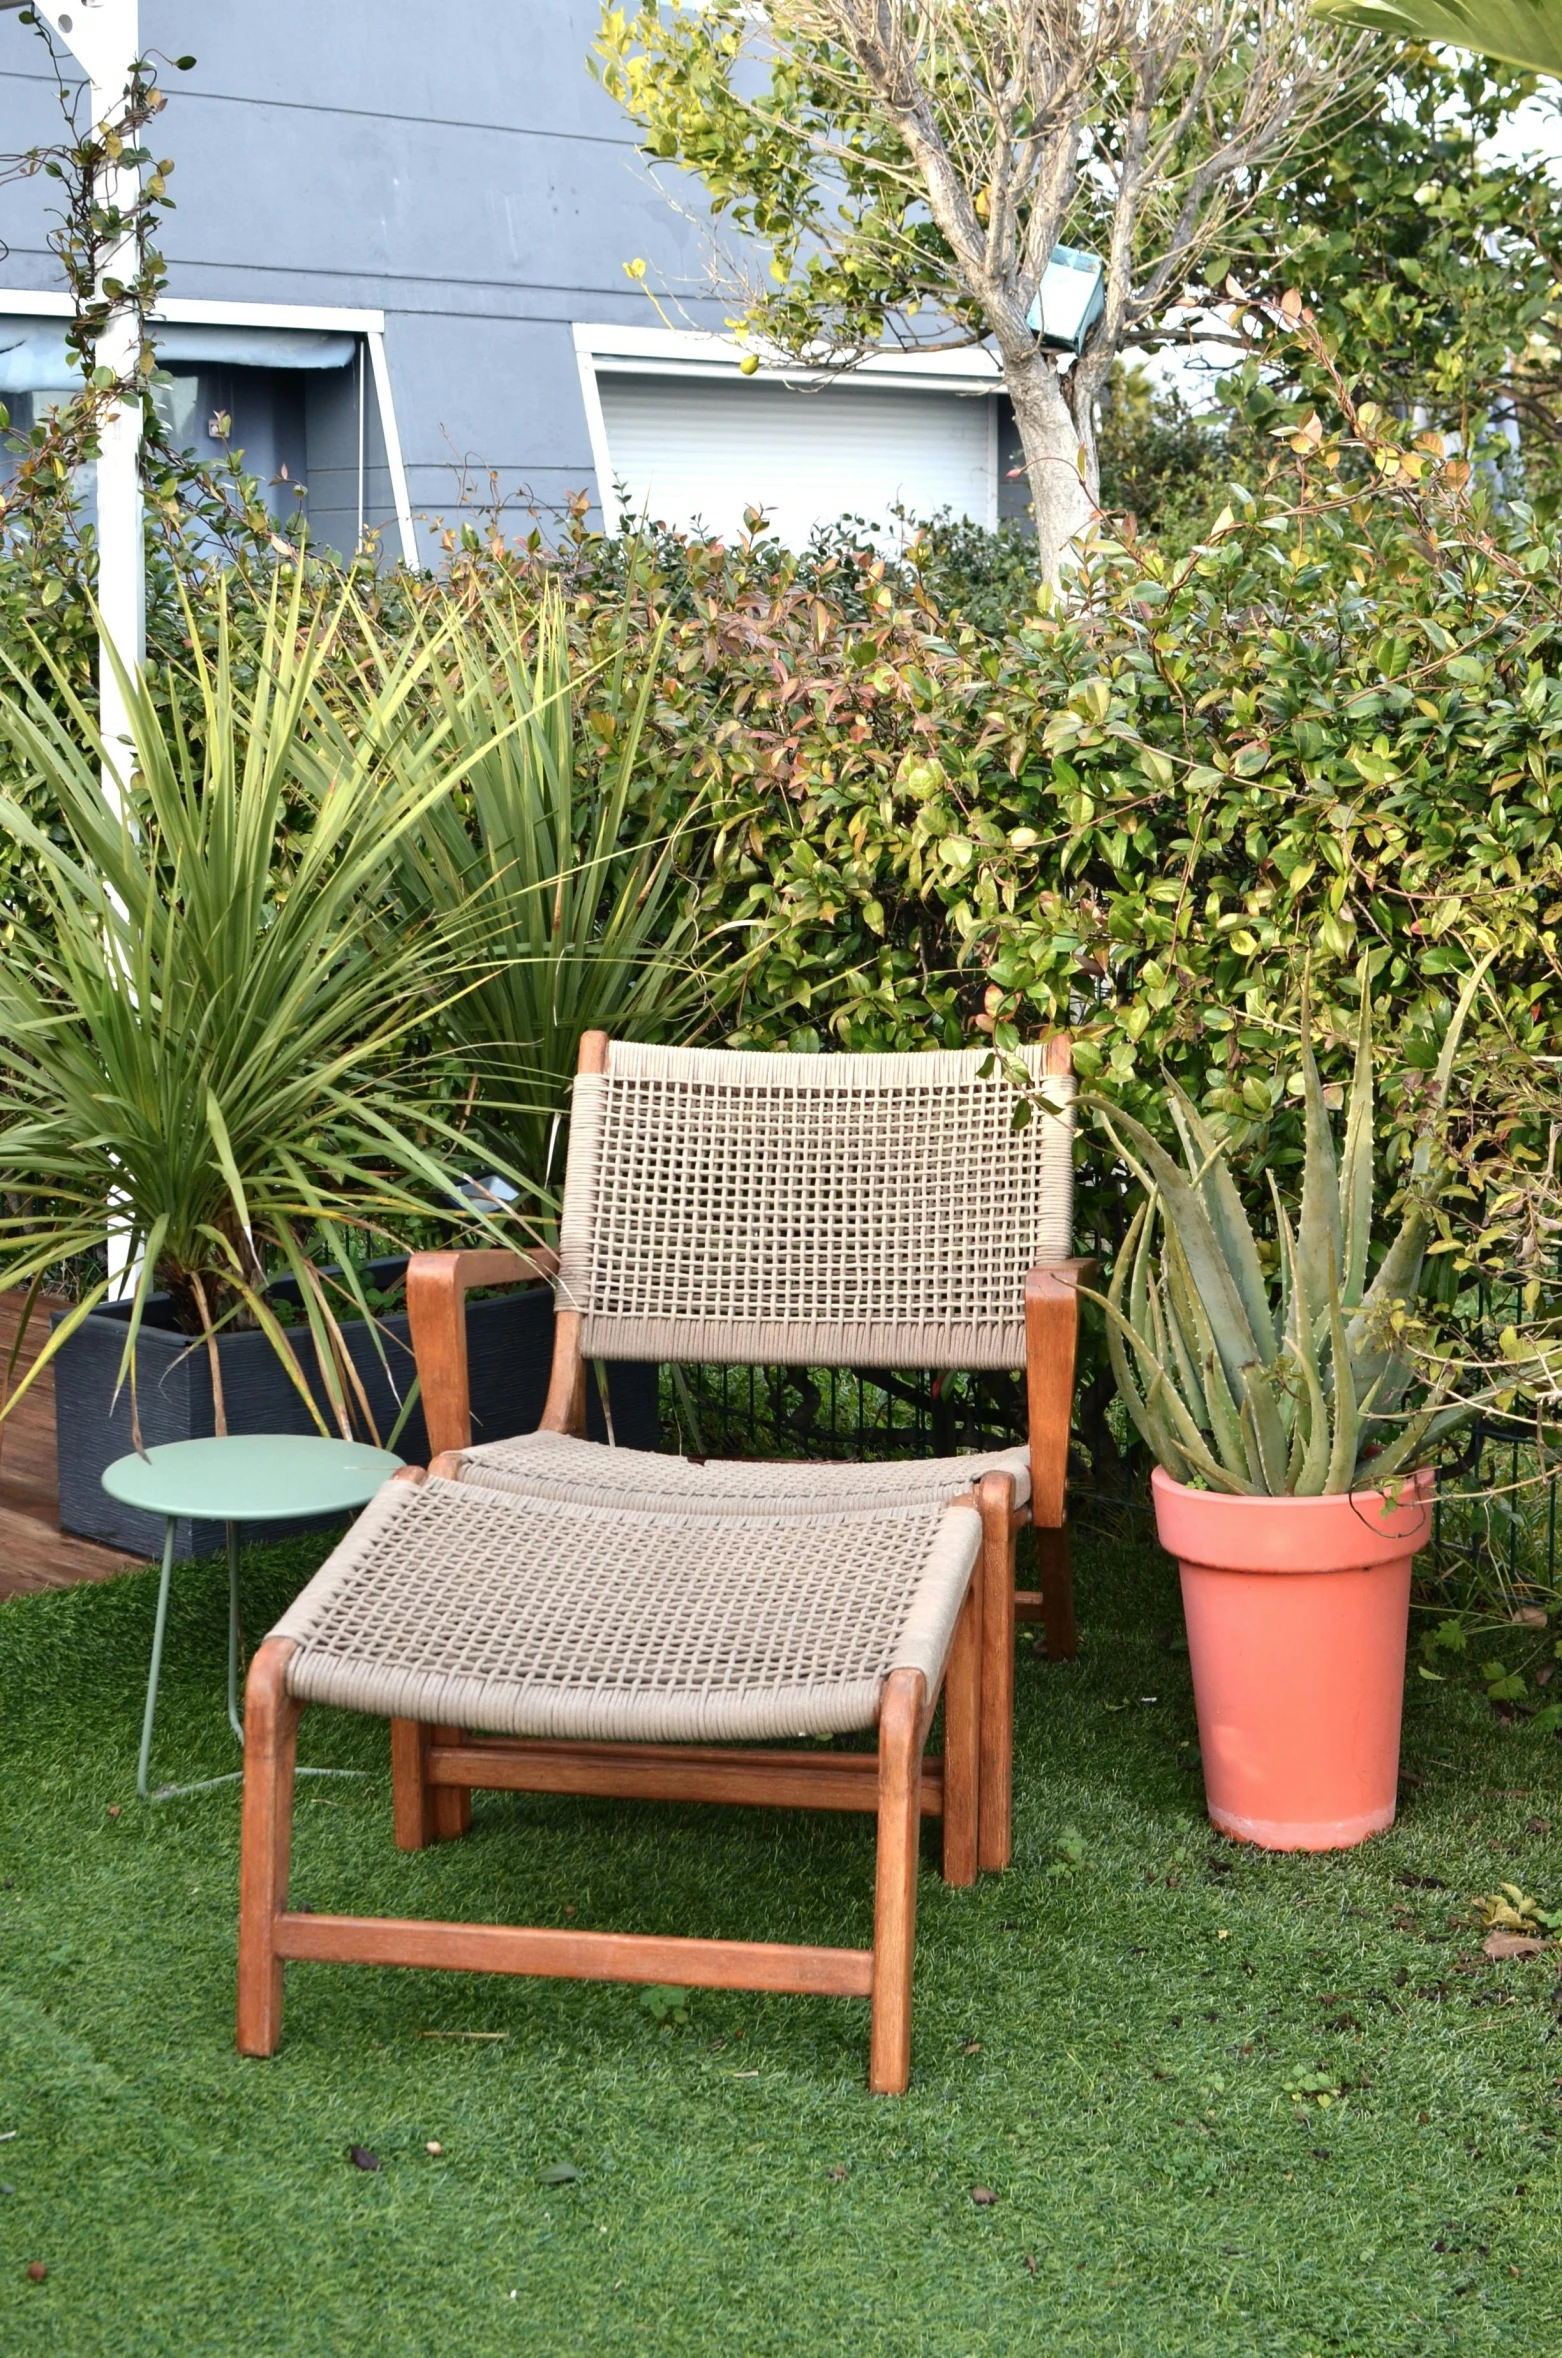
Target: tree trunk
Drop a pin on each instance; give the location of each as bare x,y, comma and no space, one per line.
1060,456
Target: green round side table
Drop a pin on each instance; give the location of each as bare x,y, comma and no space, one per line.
237,1478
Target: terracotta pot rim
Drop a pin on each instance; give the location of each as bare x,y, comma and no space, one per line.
1344,1531
1415,1489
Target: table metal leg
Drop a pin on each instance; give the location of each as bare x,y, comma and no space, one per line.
206,1784
234,1720
156,1671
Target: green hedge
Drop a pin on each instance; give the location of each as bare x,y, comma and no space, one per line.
1334,729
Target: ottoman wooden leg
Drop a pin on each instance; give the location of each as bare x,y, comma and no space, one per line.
271,1745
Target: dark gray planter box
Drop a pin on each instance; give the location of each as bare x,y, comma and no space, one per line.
509,1350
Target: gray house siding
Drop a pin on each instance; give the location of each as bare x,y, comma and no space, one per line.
452,167
455,168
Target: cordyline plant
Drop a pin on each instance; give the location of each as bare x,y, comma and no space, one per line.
203,1044
1306,1386
573,862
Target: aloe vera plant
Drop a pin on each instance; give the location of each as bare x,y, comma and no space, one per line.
1297,1384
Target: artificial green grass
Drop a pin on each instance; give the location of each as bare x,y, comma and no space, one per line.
1104,2038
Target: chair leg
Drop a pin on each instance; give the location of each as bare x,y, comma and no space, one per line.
962,1740
995,1499
271,1730
1051,1342
452,1803
895,1895
424,1813
1057,1595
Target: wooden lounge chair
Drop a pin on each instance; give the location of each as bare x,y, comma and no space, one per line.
553,1615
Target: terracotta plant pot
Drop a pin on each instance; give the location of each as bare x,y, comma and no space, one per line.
1297,1610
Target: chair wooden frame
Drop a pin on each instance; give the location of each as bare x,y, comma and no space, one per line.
439,1282
435,1770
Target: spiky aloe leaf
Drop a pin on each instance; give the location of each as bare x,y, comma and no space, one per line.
1153,1427
1346,1448
1286,1313
1138,1263
1181,1328
1182,1207
1319,1252
1261,1415
1309,1464
1207,1159
1263,1486
1224,1425
1356,1163
1416,1437
1186,1452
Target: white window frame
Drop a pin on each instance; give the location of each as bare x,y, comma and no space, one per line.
197,311
602,349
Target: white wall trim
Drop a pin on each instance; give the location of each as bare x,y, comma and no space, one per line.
375,339
196,311
678,352
596,423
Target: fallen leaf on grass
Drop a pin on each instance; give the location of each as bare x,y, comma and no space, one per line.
983,2197
1512,1944
840,2173
361,2158
561,2174
1537,1825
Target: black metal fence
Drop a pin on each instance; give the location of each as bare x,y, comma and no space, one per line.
1495,1538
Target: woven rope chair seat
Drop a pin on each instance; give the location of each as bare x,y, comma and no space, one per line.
589,1473
467,1607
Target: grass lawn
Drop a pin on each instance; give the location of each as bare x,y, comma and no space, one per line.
1104,2042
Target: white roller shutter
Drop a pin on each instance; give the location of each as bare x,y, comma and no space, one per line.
691,450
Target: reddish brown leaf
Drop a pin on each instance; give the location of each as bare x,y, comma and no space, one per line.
37,2271
1511,1944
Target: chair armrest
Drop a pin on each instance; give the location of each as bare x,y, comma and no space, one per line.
1051,1340
437,1287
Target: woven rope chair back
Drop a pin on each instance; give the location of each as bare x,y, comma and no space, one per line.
846,1211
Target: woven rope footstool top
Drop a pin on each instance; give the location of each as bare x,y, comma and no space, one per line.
468,1607
555,1465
